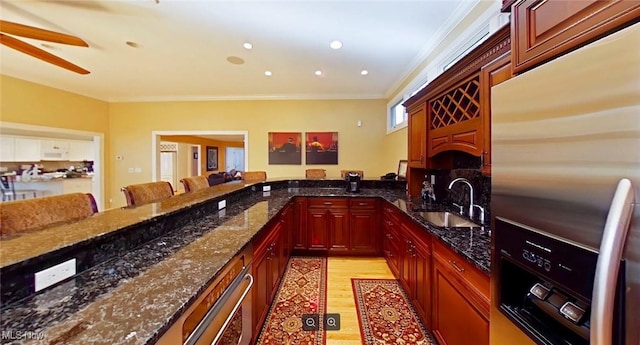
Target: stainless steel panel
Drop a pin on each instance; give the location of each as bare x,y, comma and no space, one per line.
563,135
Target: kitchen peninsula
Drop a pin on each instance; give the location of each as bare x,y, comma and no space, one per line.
57,186
139,269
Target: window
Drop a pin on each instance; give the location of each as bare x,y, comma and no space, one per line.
397,116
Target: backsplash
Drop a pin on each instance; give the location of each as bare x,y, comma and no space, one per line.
466,166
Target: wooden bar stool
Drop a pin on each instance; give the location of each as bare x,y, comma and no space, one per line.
316,173
194,183
146,193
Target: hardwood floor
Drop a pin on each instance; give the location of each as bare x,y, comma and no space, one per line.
340,298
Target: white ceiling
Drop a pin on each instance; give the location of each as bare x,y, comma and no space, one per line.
184,46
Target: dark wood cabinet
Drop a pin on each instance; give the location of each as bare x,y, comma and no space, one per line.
364,226
454,121
415,268
300,223
543,30
417,133
450,108
328,224
318,229
341,226
391,240
269,261
337,226
287,217
492,74
460,297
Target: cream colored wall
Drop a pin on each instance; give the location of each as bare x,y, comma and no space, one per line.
362,148
445,45
34,104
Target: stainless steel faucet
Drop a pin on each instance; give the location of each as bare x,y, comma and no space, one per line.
462,179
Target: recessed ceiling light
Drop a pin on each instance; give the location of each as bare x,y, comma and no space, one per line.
267,73
247,45
133,44
335,44
364,72
318,73
235,60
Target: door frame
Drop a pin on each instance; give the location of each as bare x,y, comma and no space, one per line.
155,146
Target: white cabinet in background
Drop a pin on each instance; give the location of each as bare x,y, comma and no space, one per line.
27,150
55,150
7,145
80,151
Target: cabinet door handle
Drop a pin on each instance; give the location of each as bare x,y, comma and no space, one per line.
482,158
362,204
454,264
328,203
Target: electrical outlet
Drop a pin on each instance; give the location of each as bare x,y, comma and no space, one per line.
138,170
222,204
130,170
55,274
266,188
266,194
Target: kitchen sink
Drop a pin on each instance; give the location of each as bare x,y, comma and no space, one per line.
447,219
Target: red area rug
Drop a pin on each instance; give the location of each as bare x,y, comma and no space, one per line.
303,290
386,315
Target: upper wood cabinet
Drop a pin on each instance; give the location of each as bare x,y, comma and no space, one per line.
545,29
417,136
454,119
491,75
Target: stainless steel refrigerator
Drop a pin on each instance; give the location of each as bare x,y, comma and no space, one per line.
564,135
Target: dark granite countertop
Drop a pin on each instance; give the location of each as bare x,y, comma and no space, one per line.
133,298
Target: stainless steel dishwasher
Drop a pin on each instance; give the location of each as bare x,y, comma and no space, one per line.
222,314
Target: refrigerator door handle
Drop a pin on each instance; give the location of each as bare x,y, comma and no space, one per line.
611,248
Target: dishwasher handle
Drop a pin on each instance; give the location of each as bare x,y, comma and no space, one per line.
213,312
235,308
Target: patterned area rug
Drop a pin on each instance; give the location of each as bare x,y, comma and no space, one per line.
385,314
303,290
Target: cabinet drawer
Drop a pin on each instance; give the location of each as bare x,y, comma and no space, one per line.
327,202
364,203
391,213
476,280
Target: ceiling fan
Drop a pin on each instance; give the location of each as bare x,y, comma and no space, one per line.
40,34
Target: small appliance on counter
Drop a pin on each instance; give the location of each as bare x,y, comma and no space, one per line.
353,182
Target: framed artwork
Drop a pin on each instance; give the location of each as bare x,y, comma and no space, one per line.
212,158
285,148
402,169
321,147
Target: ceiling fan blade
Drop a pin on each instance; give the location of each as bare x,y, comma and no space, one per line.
40,54
40,34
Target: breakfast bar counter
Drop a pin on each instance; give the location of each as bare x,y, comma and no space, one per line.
133,295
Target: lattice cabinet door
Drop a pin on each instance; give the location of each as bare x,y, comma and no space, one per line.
455,119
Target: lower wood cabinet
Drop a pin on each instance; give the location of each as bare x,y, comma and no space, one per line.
299,223
460,299
391,240
364,226
269,261
415,268
341,226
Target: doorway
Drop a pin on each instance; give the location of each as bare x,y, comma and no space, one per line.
195,160
228,136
